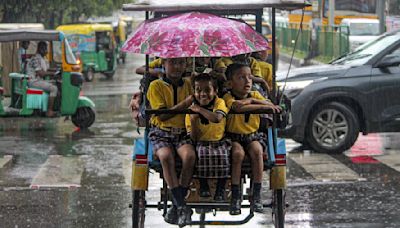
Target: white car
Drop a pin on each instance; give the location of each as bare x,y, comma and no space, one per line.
361,30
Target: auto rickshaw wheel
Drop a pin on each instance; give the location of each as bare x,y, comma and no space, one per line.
278,208
84,117
89,75
138,208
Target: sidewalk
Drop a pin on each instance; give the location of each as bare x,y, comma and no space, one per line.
298,62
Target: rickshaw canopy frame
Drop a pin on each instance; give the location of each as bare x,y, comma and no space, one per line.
210,5
30,35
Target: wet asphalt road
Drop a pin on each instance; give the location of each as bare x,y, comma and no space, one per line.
58,176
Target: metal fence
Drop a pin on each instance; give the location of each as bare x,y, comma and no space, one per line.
286,35
331,41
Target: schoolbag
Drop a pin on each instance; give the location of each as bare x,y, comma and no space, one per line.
139,102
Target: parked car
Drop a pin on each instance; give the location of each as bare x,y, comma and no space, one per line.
358,92
360,30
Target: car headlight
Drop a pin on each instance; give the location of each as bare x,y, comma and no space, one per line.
292,89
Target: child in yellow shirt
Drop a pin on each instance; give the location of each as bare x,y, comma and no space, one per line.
207,130
168,134
265,67
243,131
259,83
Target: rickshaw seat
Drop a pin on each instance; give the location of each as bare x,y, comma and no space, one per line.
17,86
37,99
269,156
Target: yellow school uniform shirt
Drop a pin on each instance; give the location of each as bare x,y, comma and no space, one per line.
162,95
225,62
266,72
211,131
242,123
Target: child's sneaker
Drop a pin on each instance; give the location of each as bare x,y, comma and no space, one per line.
258,205
171,216
184,216
236,205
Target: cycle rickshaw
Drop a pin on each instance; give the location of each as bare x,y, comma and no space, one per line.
276,161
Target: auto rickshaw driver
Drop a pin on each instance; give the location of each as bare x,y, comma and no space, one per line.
22,57
37,69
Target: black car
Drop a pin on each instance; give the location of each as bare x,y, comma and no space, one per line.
358,92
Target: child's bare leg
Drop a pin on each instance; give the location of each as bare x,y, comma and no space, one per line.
237,159
188,156
255,151
166,157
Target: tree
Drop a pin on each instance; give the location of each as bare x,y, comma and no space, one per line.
55,12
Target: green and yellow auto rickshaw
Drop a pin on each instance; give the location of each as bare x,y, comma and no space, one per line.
95,46
32,102
120,28
129,23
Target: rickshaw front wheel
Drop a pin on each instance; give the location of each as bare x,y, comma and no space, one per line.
278,208
138,208
84,117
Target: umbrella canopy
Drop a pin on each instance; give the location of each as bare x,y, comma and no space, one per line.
194,34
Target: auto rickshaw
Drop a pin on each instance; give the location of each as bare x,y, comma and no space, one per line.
274,162
120,28
95,46
5,57
129,23
32,102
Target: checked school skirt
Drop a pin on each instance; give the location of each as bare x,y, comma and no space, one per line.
213,159
245,140
160,138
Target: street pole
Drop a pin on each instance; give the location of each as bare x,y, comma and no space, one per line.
332,12
380,8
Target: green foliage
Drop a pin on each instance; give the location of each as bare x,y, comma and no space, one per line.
55,12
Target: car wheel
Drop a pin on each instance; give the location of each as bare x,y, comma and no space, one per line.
332,128
89,75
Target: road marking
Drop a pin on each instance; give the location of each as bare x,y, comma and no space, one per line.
366,145
5,161
391,160
59,172
324,167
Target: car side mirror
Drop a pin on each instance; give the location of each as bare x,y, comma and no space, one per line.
389,61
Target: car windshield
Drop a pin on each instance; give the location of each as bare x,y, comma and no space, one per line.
364,53
364,29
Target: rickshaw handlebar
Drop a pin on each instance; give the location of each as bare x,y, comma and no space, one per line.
188,111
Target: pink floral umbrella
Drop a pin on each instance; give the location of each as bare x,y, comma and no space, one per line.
194,34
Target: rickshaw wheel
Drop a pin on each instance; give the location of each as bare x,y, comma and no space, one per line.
89,75
84,117
278,208
138,208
